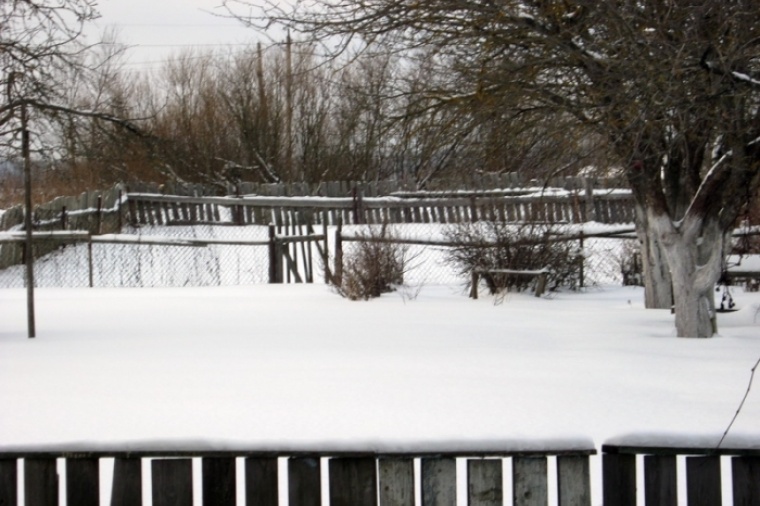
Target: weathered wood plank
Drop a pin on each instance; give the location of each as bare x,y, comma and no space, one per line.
439,484
172,482
703,481
353,482
660,485
83,481
484,482
530,481
8,482
745,477
396,482
127,482
619,480
574,481
40,482
261,482
304,485
219,484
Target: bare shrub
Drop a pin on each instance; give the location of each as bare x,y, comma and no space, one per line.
488,246
376,265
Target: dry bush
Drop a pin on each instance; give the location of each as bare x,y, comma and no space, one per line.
375,266
525,247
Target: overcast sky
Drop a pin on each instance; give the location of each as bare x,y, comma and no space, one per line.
156,29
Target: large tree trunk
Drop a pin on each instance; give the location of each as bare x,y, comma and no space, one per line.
693,251
658,285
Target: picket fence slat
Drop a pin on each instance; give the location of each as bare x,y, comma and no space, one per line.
396,482
745,477
660,485
530,481
353,482
127,482
703,486
172,482
83,481
304,481
619,478
261,485
439,482
8,481
40,482
219,483
573,480
485,482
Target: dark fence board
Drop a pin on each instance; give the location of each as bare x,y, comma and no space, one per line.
660,484
745,476
40,482
304,482
261,484
574,481
83,481
353,482
485,482
530,481
703,481
219,484
439,482
619,480
172,482
396,482
8,482
127,482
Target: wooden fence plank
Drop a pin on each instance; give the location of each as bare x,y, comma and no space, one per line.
304,485
8,482
261,482
660,485
484,482
574,481
172,482
745,476
219,484
439,484
619,480
83,481
396,482
40,482
703,481
353,482
127,482
530,481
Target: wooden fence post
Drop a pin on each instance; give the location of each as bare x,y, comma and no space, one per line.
439,484
8,481
660,485
273,260
338,268
484,482
83,481
396,481
590,205
619,479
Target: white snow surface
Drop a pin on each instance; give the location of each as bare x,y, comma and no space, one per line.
296,367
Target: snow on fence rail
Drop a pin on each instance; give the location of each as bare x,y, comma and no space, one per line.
368,478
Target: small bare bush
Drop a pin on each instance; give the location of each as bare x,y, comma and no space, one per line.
374,266
488,246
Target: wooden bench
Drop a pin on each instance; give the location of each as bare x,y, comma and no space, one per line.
541,276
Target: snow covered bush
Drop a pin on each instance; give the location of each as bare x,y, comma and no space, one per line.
373,266
488,246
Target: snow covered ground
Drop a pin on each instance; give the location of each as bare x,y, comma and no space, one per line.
298,367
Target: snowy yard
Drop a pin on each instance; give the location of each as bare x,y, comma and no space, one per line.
298,367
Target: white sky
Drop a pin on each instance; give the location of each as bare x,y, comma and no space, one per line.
156,29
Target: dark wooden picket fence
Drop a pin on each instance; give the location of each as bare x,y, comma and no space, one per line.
354,478
384,479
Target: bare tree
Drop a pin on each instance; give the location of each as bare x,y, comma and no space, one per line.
671,87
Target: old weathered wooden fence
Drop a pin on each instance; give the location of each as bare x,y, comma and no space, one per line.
384,479
354,478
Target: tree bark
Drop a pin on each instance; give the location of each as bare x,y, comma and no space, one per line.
658,284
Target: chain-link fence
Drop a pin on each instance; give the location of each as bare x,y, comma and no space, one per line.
133,259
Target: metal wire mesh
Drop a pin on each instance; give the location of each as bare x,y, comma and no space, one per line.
149,265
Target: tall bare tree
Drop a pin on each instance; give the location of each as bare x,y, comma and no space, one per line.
672,87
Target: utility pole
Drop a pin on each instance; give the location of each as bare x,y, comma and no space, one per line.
28,244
